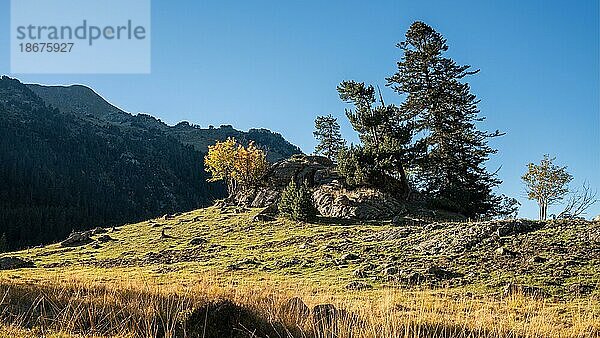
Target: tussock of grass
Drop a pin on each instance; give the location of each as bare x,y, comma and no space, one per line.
133,309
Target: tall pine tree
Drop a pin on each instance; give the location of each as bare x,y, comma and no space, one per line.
445,113
327,132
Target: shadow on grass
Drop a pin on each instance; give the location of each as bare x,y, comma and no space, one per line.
103,311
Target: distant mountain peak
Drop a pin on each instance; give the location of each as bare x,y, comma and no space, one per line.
82,100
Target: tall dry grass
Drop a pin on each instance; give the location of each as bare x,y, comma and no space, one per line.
140,309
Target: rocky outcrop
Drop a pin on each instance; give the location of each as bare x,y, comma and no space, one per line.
312,170
84,237
333,198
336,201
77,239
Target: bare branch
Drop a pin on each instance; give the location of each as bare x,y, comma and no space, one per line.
579,202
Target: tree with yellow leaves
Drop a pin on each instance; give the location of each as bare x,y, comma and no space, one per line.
249,166
220,162
238,166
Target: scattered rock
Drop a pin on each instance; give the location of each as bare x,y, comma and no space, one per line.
223,318
77,239
105,238
360,273
294,311
11,263
243,264
439,273
97,231
517,226
390,271
357,285
538,259
267,214
502,251
596,219
579,289
197,241
349,257
263,218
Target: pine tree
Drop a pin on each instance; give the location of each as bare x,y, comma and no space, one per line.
385,138
296,203
327,132
444,111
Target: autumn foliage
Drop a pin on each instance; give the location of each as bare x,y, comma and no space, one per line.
238,166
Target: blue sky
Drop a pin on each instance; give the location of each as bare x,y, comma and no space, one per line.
276,64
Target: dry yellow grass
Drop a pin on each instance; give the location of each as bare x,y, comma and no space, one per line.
112,290
132,304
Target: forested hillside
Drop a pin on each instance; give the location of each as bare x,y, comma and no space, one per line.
78,162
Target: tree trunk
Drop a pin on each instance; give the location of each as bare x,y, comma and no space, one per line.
405,185
543,210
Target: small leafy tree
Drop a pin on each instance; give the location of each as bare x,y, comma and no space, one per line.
250,164
237,166
546,183
296,203
220,163
327,132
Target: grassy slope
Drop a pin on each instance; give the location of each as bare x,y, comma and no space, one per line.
237,247
249,261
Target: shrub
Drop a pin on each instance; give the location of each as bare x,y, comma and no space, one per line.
296,203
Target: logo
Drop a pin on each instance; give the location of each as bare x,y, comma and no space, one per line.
80,36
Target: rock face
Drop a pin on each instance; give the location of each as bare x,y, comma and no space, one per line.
10,263
333,198
314,170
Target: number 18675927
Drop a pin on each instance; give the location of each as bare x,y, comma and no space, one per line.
46,47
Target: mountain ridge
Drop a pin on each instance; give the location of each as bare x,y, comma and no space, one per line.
80,99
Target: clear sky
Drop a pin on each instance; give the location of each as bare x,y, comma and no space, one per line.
275,64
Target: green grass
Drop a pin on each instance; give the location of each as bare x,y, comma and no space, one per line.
238,247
